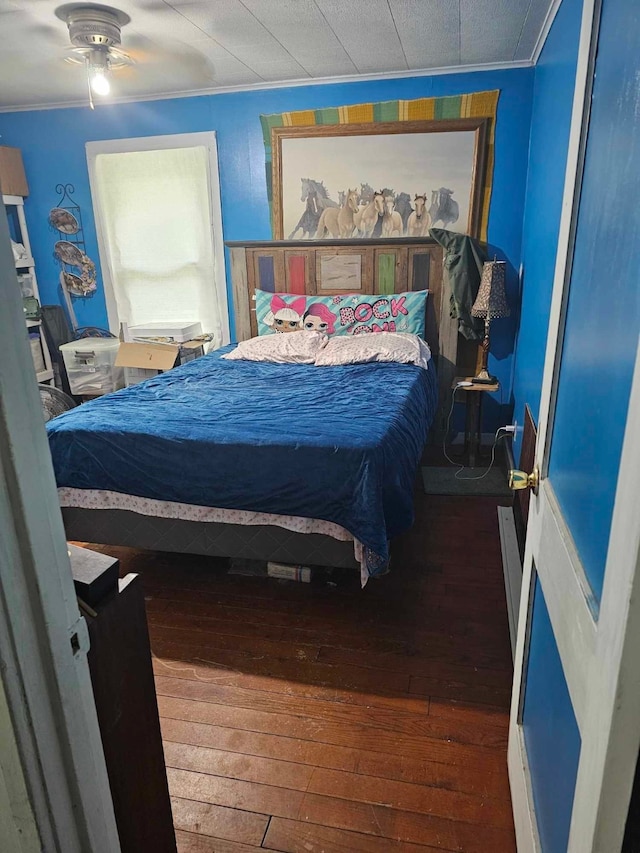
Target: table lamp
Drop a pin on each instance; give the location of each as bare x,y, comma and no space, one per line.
491,303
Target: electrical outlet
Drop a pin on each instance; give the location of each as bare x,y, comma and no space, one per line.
512,430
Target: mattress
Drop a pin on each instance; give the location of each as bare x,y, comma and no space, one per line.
338,444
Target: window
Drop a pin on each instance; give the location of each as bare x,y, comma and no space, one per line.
157,207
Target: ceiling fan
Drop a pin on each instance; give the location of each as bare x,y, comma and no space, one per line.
94,31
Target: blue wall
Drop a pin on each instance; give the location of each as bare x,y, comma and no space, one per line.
52,142
550,123
550,731
603,319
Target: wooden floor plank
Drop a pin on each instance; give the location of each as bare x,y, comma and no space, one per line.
332,733
406,796
202,671
189,842
460,691
365,635
173,644
323,718
426,794
219,821
385,822
323,713
366,789
469,711
292,836
233,765
372,819
197,631
479,780
234,793
440,668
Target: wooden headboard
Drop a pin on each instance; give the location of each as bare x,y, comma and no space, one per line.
321,267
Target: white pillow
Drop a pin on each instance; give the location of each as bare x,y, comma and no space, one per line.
380,346
286,348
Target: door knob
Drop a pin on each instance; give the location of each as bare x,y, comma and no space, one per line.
522,480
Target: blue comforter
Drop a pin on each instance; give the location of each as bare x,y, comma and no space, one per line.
336,443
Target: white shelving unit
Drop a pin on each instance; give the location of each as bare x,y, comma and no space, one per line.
15,206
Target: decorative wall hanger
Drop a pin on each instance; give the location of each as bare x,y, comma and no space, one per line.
78,271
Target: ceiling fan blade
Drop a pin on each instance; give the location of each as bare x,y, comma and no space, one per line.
174,58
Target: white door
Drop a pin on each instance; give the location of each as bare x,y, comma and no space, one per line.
54,789
575,719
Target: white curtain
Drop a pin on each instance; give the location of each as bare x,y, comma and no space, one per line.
156,218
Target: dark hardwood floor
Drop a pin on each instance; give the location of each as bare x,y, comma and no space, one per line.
322,718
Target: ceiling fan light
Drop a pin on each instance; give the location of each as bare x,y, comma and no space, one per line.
99,83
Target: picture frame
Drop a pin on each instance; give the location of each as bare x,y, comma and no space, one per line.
397,162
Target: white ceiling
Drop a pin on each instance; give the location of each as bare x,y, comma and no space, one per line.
195,46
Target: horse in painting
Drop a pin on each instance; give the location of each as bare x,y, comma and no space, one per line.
366,193
392,225
419,220
366,219
308,222
443,208
309,185
316,198
339,222
403,206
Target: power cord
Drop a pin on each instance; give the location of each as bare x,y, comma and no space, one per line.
461,468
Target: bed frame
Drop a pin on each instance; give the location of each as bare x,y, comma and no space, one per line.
318,267
300,267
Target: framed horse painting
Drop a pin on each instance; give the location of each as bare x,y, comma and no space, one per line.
383,179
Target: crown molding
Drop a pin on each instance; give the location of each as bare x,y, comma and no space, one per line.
544,32
284,84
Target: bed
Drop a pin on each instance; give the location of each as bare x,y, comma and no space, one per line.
292,463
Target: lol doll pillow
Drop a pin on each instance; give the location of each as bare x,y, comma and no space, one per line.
342,314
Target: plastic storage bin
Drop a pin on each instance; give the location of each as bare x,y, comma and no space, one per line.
177,331
36,352
90,367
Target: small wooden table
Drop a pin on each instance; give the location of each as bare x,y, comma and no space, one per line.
473,419
124,691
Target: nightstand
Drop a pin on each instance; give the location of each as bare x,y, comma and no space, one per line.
123,688
473,395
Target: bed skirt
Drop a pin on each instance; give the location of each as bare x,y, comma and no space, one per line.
211,538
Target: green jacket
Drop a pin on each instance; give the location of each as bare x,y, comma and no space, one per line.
463,260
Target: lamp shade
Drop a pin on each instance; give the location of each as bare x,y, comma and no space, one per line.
491,301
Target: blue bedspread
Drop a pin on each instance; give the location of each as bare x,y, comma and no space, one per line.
335,443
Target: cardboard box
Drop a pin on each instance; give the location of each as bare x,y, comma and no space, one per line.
147,356
143,361
13,180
